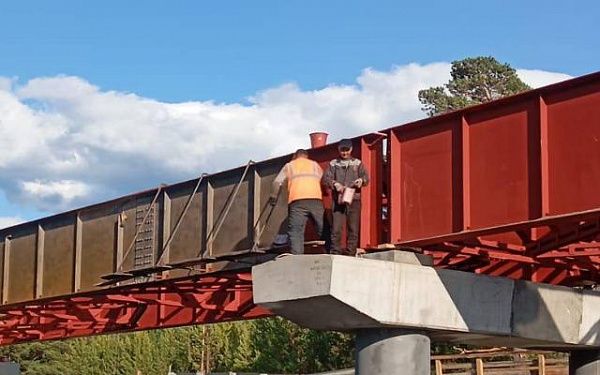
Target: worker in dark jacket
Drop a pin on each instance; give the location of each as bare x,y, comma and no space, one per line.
345,172
305,198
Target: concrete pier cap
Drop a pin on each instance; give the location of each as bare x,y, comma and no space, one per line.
400,291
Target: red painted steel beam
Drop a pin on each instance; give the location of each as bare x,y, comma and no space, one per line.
563,249
163,304
570,253
505,183
549,221
371,148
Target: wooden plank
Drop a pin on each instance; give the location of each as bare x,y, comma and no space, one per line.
479,366
541,364
438,367
535,363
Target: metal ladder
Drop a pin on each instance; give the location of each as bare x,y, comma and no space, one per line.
143,252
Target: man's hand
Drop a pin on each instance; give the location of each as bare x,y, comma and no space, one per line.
338,187
358,183
272,201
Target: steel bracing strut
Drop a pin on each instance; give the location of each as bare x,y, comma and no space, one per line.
199,299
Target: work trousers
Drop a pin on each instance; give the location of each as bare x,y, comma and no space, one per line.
348,215
298,212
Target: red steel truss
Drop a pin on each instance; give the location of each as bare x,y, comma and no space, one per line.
561,250
162,304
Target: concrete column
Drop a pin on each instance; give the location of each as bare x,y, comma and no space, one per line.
584,362
390,351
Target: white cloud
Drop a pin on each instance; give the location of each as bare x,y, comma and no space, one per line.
65,142
63,190
539,78
5,84
7,221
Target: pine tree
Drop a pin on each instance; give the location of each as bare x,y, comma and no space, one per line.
474,80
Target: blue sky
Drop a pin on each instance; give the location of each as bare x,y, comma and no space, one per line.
227,50
68,67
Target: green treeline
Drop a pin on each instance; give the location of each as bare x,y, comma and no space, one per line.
265,345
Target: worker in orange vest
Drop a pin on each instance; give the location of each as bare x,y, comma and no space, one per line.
305,198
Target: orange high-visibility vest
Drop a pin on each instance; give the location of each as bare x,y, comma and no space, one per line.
304,180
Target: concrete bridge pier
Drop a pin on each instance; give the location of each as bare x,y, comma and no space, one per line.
584,362
390,351
395,303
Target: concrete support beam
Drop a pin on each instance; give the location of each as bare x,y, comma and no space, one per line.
392,352
329,292
584,362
